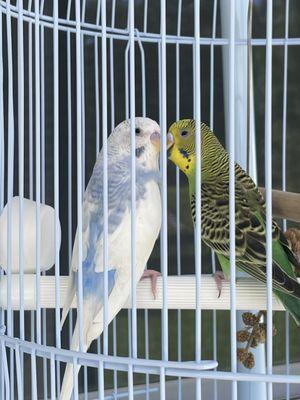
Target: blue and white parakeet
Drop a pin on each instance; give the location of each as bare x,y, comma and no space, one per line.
148,222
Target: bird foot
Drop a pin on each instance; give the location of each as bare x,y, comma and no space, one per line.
219,278
152,274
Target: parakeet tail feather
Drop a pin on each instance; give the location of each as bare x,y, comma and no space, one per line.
292,304
67,385
68,301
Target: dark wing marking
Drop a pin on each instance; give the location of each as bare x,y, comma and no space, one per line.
250,228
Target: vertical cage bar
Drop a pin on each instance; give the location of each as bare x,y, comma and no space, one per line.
98,13
70,147
178,236
2,141
97,115
52,376
126,81
284,108
105,175
144,110
130,382
232,197
178,244
85,382
10,177
83,10
211,119
31,155
75,369
197,232
127,111
112,78
68,14
56,179
164,229
145,23
112,107
100,380
34,383
143,73
162,380
97,104
43,179
19,373
2,183
268,184
56,169
83,150
79,173
42,6
30,113
284,120
129,333
115,352
2,163
37,169
5,370
21,163
133,179
82,110
147,352
43,120
10,167
2,377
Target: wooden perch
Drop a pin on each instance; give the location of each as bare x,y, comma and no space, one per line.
285,204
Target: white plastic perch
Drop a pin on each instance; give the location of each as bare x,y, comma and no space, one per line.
181,293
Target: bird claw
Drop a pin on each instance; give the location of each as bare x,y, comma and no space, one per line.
219,278
152,274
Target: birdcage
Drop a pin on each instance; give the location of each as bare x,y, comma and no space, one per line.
70,71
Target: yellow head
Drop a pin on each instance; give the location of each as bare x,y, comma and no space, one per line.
183,150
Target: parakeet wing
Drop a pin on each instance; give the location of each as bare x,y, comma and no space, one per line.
92,226
93,216
250,231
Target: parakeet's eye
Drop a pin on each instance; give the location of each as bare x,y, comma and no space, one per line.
184,133
137,131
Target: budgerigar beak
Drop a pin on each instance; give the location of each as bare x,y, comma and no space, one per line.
170,140
156,140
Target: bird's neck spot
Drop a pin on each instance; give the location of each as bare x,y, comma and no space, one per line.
139,151
183,152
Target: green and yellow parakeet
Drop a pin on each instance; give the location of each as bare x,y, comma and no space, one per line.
250,212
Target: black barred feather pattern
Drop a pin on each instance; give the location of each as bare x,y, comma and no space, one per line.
250,213
250,228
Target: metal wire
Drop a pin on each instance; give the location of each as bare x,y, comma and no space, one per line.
178,236
211,123
284,138
10,174
198,253
164,231
105,176
268,183
2,163
231,129
133,181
